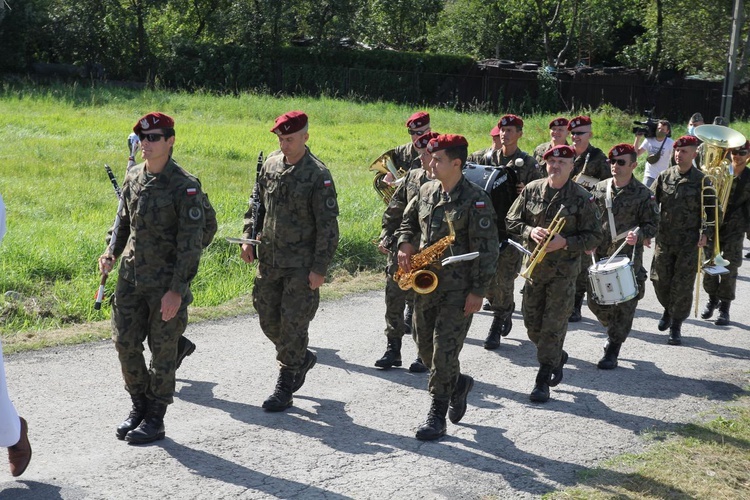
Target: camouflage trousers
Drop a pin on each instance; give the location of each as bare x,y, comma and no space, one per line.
440,329
500,291
723,286
673,275
546,306
395,302
285,306
617,318
136,317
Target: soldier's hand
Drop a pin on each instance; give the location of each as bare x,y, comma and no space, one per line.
247,253
106,263
632,238
170,304
702,241
405,251
382,248
473,304
539,234
647,242
557,243
315,280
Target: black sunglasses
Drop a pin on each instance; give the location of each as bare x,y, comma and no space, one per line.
578,133
150,137
620,162
740,152
417,132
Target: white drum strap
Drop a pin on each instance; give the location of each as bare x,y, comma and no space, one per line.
608,204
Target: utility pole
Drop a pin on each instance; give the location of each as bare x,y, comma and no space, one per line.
726,96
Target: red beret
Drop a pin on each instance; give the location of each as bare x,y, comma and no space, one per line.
445,141
153,121
560,121
418,120
686,140
424,139
561,151
506,121
289,123
579,121
621,149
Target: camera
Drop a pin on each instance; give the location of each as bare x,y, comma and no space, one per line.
648,126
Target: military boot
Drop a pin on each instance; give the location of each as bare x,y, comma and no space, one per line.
281,399
434,426
392,356
299,377
675,335
540,394
457,408
19,455
152,427
493,337
418,366
184,349
611,351
708,311
557,373
408,316
508,322
723,318
665,321
135,417
575,316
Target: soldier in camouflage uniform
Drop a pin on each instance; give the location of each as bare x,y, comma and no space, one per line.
632,205
558,132
442,318
592,162
298,235
548,296
736,221
160,239
395,298
678,193
505,153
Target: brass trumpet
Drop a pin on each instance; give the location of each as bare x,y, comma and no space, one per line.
540,251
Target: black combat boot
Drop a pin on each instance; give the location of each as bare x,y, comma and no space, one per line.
611,351
486,305
508,322
408,315
708,311
723,318
457,408
665,321
434,426
575,316
281,399
299,377
152,427
493,337
184,349
675,335
557,373
540,394
140,405
392,356
417,366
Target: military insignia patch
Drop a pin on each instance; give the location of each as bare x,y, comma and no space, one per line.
195,213
480,204
191,191
485,222
330,203
327,183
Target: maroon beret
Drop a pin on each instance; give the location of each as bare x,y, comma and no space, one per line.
686,140
289,123
560,121
579,121
622,149
506,121
424,139
445,141
561,151
418,120
153,121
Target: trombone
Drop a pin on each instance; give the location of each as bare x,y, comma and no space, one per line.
708,191
540,251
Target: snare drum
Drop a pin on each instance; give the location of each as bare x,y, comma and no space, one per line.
613,283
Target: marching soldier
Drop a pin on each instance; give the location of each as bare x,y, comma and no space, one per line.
558,132
548,296
442,317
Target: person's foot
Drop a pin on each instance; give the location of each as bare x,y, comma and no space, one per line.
307,364
675,334
417,366
665,321
184,349
392,356
19,455
493,336
457,408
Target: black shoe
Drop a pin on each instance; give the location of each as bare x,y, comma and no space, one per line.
307,364
151,428
611,351
408,316
392,356
557,373
417,366
493,337
486,305
184,349
675,335
708,311
575,316
665,321
281,399
507,323
723,318
135,417
747,255
540,394
457,408
434,426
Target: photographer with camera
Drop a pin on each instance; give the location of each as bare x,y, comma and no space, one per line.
653,136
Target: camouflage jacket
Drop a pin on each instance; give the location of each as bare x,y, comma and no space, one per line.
470,209
537,205
632,206
404,156
539,156
737,217
161,227
679,199
394,213
300,227
593,162
528,172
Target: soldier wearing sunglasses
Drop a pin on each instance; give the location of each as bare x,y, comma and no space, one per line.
721,288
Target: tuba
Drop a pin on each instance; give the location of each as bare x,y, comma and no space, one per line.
420,279
382,167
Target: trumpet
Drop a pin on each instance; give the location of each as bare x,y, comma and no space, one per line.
423,280
540,251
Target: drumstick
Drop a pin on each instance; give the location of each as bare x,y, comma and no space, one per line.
619,249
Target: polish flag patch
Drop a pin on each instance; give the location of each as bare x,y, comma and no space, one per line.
327,183
192,191
479,204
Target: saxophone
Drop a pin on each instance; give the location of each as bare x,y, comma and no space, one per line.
420,279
